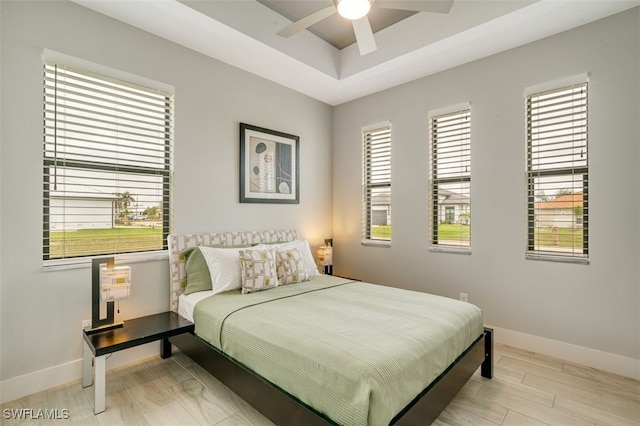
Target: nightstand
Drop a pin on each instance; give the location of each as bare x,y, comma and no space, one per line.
138,331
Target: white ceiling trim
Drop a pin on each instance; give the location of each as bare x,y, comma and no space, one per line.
509,31
183,25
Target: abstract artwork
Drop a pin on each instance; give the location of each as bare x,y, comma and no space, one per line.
269,163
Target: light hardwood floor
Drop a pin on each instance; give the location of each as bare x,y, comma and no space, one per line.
528,389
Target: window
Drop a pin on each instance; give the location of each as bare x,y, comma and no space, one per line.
450,178
557,173
107,165
376,184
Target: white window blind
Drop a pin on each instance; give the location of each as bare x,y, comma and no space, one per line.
450,179
107,165
557,173
376,184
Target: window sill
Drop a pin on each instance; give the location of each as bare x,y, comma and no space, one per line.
85,262
560,259
451,250
374,243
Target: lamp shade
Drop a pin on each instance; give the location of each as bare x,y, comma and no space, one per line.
325,256
115,283
353,9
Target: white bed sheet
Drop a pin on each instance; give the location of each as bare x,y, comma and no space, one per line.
187,303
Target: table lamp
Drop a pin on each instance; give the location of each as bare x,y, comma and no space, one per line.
325,256
109,283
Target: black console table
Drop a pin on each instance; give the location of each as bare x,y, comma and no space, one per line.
134,332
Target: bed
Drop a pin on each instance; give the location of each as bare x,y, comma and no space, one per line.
323,349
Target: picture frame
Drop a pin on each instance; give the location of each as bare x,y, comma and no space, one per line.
269,166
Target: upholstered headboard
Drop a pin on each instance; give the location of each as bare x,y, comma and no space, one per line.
179,242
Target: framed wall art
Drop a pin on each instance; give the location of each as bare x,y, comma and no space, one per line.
269,166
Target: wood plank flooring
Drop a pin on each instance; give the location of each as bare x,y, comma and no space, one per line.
528,389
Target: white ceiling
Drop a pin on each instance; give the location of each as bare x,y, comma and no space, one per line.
243,34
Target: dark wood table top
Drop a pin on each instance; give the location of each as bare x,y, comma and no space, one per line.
137,331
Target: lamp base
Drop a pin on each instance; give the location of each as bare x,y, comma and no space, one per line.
104,327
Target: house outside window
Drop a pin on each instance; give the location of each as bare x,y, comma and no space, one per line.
558,171
449,214
376,184
450,179
107,164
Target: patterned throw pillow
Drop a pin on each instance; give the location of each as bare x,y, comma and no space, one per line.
305,252
291,268
258,269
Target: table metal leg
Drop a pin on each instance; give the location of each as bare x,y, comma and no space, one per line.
99,383
87,365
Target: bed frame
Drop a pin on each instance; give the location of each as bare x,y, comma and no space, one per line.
282,408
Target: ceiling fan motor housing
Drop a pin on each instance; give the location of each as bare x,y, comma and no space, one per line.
353,9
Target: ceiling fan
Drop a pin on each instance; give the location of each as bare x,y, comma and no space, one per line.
356,11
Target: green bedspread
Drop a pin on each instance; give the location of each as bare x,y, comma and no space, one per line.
356,352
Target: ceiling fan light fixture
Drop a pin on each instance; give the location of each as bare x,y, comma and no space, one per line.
353,9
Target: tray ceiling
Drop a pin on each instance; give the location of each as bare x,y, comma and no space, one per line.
323,62
335,30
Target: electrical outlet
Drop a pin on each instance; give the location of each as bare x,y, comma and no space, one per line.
86,324
464,297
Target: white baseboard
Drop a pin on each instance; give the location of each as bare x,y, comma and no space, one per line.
30,383
27,384
605,361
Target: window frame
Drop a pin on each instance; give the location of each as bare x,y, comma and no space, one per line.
384,133
457,111
576,171
161,173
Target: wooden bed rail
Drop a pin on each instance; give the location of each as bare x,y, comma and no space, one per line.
427,406
283,409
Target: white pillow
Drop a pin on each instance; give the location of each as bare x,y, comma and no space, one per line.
224,267
303,247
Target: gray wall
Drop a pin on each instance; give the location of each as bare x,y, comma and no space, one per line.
595,306
41,312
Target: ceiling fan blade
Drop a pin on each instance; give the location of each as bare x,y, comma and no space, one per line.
364,36
307,21
433,6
